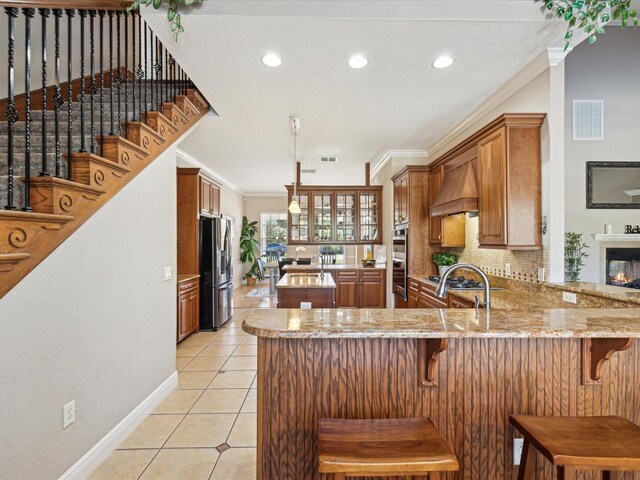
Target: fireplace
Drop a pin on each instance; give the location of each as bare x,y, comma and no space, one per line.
623,267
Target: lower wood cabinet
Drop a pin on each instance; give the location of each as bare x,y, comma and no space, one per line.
413,300
423,295
188,309
428,298
361,288
457,302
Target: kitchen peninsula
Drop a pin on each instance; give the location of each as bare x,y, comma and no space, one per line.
465,369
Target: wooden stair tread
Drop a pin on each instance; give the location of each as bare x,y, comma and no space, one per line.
19,215
68,184
9,260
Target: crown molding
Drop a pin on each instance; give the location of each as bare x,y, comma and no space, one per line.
390,154
181,154
550,57
265,194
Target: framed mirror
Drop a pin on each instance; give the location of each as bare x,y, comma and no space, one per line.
613,185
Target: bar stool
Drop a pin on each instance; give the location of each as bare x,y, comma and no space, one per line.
383,448
579,443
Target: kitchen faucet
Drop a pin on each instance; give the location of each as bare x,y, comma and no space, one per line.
321,258
441,289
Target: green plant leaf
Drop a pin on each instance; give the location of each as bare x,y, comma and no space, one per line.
592,39
605,17
156,3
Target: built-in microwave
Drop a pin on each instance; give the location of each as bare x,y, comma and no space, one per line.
399,259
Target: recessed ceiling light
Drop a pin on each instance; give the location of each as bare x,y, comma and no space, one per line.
271,60
358,61
443,62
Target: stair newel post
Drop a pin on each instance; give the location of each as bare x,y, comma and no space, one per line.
101,14
93,88
126,74
112,130
44,14
120,79
146,107
70,14
58,100
28,15
83,14
10,114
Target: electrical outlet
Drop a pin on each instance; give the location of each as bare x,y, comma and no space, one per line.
167,273
541,274
305,305
569,297
518,445
507,269
68,414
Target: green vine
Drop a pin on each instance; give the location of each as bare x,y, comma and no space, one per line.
591,15
172,13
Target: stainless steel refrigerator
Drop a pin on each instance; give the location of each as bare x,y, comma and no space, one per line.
216,272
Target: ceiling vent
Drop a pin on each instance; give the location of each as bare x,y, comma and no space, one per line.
588,120
328,159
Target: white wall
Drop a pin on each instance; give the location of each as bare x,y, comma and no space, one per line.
608,70
94,323
231,204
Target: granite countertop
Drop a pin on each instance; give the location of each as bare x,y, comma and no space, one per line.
439,323
599,290
331,266
503,298
306,280
187,277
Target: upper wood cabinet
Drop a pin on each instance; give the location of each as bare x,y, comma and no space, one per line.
509,184
401,198
436,177
336,215
209,197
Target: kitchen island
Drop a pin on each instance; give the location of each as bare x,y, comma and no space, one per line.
306,290
466,369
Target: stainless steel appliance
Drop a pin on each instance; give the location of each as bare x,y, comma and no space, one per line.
399,259
216,272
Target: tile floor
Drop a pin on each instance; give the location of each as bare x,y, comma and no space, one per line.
206,428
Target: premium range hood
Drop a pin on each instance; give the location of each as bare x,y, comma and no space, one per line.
459,192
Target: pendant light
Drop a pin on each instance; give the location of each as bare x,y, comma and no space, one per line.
294,206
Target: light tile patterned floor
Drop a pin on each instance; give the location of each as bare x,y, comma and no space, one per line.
206,428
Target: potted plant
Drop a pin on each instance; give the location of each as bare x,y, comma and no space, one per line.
299,250
574,255
444,260
248,248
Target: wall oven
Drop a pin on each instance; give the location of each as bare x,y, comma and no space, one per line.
399,259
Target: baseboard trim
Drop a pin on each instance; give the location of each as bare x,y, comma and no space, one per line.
101,450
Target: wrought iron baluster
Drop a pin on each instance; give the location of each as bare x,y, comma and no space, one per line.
83,14
120,79
126,74
153,72
112,130
166,75
28,15
58,100
44,14
10,114
133,64
93,89
70,14
146,105
158,74
140,72
101,14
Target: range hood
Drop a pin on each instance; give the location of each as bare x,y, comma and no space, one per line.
459,192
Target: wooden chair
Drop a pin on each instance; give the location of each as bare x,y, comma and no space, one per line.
579,443
383,448
329,258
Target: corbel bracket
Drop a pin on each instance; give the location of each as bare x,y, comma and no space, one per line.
595,352
429,349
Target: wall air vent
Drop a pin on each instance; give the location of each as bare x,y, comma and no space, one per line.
588,120
308,170
328,159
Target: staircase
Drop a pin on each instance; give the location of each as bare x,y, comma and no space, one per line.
110,142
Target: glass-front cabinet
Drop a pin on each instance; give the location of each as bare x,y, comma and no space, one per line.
345,216
337,215
299,222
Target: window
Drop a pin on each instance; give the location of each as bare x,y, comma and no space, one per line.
329,252
273,233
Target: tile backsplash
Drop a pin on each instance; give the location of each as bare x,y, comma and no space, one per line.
524,264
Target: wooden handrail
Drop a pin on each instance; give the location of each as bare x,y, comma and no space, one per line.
81,4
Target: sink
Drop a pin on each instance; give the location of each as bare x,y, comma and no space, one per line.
304,275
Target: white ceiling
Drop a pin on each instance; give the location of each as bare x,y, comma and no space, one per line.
397,102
